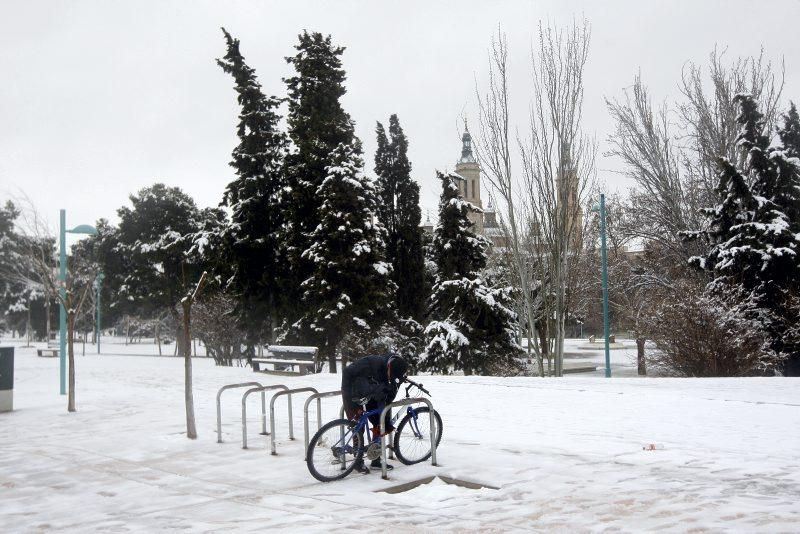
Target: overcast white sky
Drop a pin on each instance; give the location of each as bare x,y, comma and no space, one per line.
99,99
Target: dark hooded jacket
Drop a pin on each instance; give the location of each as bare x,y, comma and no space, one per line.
368,377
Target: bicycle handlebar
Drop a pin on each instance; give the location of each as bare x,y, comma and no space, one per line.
418,386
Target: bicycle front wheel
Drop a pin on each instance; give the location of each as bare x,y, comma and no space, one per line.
334,451
412,442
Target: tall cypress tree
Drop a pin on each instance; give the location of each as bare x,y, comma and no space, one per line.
471,327
317,126
252,238
400,213
349,289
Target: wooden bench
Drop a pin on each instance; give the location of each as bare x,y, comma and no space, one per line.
47,353
284,359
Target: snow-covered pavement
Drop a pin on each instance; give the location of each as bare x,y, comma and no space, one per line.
566,454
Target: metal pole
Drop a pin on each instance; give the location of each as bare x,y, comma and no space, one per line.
604,258
397,404
62,291
100,277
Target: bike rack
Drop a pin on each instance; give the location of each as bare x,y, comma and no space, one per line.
399,403
262,389
272,414
219,408
317,396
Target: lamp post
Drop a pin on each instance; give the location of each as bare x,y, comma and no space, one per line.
601,208
98,287
62,290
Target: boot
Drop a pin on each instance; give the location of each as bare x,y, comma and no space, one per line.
361,468
376,463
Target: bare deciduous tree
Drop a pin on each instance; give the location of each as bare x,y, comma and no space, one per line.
709,114
186,308
40,268
494,153
542,211
558,160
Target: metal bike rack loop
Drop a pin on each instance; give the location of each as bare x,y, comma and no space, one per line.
262,389
404,402
219,408
317,396
342,416
272,413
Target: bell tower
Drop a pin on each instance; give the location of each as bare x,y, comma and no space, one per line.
470,184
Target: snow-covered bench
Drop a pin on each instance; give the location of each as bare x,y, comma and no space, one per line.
284,359
47,353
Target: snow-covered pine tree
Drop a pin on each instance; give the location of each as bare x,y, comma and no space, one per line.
349,290
471,322
317,126
153,242
253,251
754,253
787,196
399,211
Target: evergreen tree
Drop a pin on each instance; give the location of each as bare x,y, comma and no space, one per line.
787,195
399,211
155,239
789,133
253,251
349,289
317,126
471,327
755,252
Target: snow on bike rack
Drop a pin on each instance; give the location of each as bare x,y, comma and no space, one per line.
272,414
219,407
404,402
317,396
262,389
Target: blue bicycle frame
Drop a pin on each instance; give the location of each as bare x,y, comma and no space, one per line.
363,422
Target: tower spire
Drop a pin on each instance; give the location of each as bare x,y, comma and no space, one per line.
466,146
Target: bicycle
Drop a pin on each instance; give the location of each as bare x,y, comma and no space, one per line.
339,446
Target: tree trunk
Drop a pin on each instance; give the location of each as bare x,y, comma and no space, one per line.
191,431
28,325
47,322
332,362
71,361
158,336
641,363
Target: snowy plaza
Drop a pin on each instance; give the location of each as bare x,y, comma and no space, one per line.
258,258
566,454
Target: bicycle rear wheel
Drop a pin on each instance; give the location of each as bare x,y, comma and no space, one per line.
412,443
334,451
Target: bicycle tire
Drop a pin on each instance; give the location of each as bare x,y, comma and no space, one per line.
405,433
317,445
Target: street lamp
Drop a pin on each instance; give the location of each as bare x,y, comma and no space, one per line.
601,208
62,290
98,287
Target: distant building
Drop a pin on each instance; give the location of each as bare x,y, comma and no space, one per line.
470,185
469,188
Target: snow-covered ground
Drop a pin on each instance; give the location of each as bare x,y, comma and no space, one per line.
566,454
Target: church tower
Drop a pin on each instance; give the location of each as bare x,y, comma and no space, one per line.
470,185
567,191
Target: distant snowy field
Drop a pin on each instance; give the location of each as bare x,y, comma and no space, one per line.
566,454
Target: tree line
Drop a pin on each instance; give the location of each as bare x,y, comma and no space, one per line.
305,248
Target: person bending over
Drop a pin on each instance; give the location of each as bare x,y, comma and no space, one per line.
376,378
